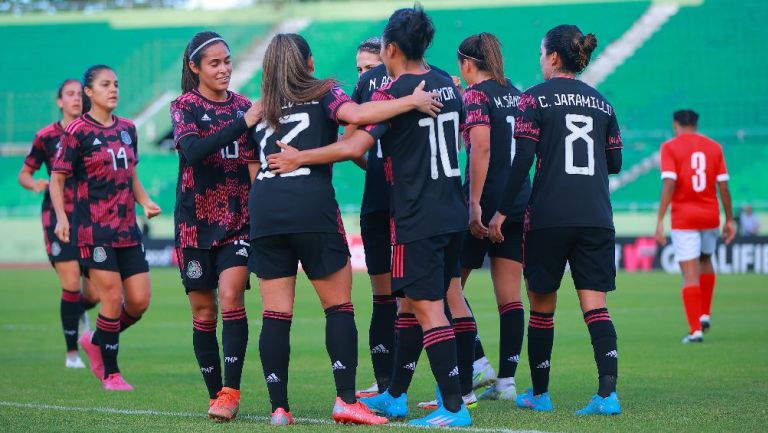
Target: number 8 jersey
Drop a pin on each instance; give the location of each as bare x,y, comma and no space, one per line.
574,126
421,161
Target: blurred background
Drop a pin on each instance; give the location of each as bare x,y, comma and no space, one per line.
654,57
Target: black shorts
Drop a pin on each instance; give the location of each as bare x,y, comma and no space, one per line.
200,268
128,261
474,250
590,251
377,241
278,256
423,269
60,251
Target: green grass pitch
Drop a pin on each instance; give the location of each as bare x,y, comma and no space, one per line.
718,386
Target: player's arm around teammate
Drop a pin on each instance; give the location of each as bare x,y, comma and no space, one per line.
101,151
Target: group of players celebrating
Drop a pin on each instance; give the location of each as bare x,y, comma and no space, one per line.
254,194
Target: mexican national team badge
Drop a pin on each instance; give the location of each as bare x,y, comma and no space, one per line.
125,137
55,248
194,270
99,255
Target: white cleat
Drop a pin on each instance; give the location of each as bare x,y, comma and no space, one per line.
706,322
503,389
83,325
696,337
482,373
73,361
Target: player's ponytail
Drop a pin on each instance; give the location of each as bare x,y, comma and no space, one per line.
286,77
484,50
88,76
572,46
194,52
411,30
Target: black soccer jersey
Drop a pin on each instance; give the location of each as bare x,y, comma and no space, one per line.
573,126
102,160
376,192
490,104
302,201
421,161
212,192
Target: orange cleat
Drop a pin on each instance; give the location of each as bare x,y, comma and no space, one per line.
355,413
281,417
226,406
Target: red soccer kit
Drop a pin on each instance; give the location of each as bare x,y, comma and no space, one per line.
696,163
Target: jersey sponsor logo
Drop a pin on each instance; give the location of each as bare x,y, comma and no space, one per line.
544,364
125,137
272,378
454,372
337,365
612,354
99,255
242,252
55,248
380,349
205,118
194,270
96,142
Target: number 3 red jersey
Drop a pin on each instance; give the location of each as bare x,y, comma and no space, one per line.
696,164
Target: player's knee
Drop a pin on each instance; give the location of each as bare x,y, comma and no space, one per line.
204,312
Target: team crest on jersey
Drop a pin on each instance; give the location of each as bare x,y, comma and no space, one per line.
55,248
177,116
194,270
125,137
99,255
240,114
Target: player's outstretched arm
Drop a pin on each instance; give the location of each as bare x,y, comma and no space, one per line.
290,158
667,189
729,232
362,161
379,111
57,200
151,209
521,166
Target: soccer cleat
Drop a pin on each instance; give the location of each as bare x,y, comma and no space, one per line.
705,323
211,401
470,401
500,391
368,392
386,405
355,413
94,355
72,360
83,324
482,373
226,406
696,337
442,417
281,417
115,382
602,406
540,403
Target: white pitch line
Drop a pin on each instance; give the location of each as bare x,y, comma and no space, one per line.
110,410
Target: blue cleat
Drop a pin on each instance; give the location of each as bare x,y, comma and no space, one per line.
539,402
602,406
442,417
387,405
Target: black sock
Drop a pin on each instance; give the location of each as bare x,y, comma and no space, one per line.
108,333
341,344
479,351
70,315
234,338
541,333
440,345
604,345
407,351
275,353
511,331
465,330
126,320
206,347
381,338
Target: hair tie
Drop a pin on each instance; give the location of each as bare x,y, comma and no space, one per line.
204,44
469,57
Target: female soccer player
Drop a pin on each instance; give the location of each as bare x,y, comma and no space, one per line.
63,256
295,218
574,132
210,125
100,151
428,211
490,101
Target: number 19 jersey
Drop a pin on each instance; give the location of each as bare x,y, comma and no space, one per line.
421,161
574,126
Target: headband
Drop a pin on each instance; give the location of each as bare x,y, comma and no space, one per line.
204,44
464,55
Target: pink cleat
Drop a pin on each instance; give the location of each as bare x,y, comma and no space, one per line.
94,355
115,382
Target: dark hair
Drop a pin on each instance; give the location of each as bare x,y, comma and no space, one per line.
412,30
286,77
371,45
484,50
686,117
190,80
574,48
88,77
63,84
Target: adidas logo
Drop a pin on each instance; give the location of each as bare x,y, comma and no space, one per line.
544,364
612,354
380,349
205,118
338,366
206,369
111,346
230,359
96,142
242,252
477,337
272,378
454,372
410,366
515,358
